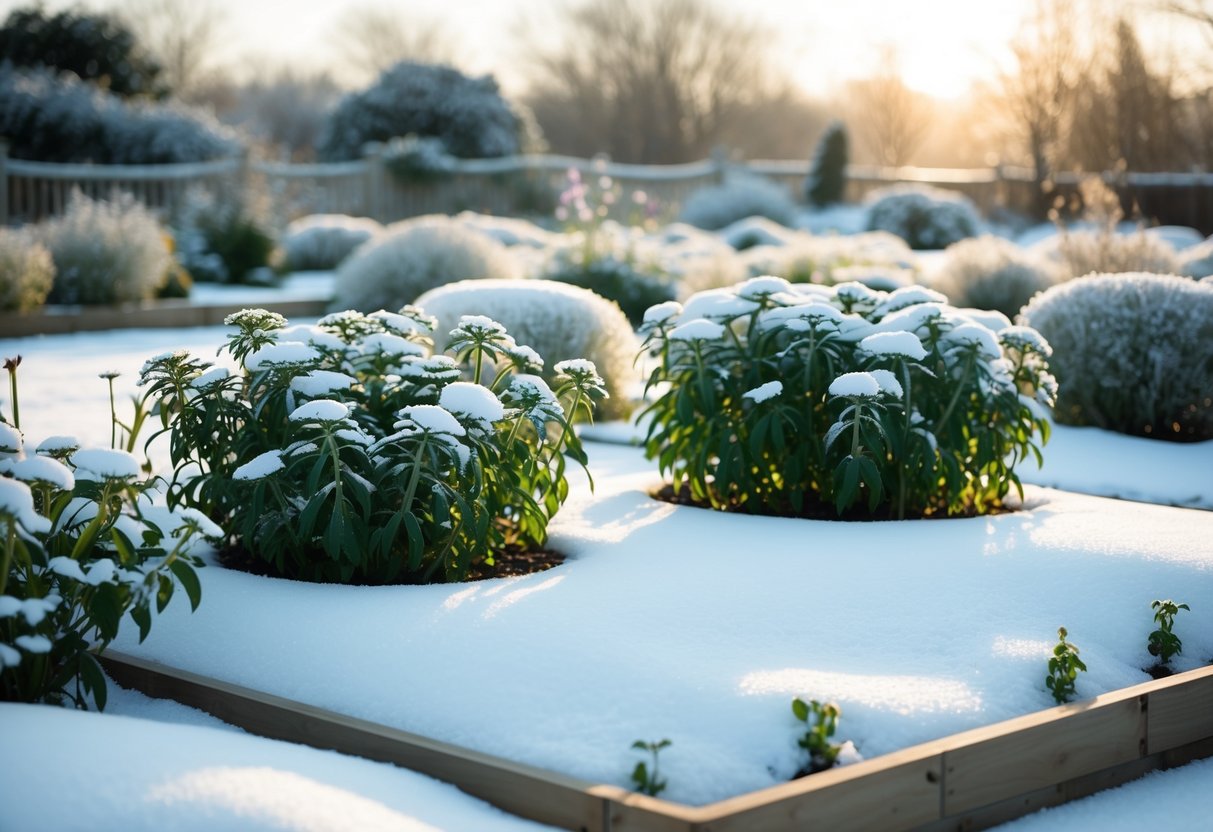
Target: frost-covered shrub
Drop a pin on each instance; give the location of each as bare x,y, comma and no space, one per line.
827,179
82,547
322,241
58,118
926,218
410,259
469,115
1133,353
1104,251
717,206
614,264
811,259
418,159
782,399
223,238
509,231
105,251
557,320
26,271
348,452
991,273
1197,261
756,231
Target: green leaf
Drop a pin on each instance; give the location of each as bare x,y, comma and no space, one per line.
105,609
93,679
189,580
800,709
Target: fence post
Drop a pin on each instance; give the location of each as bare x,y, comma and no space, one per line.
373,185
3,183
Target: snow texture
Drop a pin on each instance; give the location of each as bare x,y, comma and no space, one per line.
900,343
855,385
17,502
431,418
763,392
106,463
320,410
282,354
260,466
472,401
319,383
40,469
699,329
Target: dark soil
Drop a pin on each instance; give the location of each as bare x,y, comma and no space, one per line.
814,509
510,563
1159,671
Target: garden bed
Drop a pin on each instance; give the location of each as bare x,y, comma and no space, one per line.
166,314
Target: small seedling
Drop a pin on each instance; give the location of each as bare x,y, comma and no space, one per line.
822,720
1063,668
647,782
1163,642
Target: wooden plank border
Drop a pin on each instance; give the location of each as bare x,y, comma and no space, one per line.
172,314
967,781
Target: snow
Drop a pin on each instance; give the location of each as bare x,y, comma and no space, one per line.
699,329
321,382
662,312
57,444
472,401
107,463
389,344
261,466
17,502
320,410
888,383
282,354
763,392
856,385
899,343
40,469
431,418
106,771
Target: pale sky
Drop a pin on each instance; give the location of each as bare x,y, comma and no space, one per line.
943,45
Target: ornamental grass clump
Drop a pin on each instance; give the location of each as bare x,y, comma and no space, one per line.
774,398
347,452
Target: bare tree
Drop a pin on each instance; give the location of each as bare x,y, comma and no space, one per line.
182,34
890,119
653,82
373,38
1037,94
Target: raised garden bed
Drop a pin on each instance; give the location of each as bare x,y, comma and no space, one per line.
170,314
971,780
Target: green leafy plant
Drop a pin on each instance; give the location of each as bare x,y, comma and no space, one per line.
1163,643
822,721
1064,667
354,454
647,780
778,399
81,547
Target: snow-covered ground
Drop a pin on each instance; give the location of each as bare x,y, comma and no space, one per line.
676,622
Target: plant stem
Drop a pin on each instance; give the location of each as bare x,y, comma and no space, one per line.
12,383
10,544
943,420
113,417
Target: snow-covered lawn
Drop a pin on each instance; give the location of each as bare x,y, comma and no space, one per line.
677,622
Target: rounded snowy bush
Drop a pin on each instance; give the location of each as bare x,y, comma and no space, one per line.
991,273
819,401
717,206
1197,261
1104,251
321,241
557,320
467,114
26,271
926,218
1133,353
395,269
105,251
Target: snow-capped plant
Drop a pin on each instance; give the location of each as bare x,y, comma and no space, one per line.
821,720
1163,643
417,160
715,206
81,546
926,218
414,257
989,272
1064,667
105,251
775,398
646,780
348,452
1133,353
559,321
26,271
320,242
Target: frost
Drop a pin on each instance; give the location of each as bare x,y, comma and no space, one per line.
41,469
107,463
906,297
320,410
10,439
34,644
699,329
717,304
313,335
354,435
473,402
54,445
763,392
478,326
978,336
284,354
888,383
757,288
206,526
1025,339
260,466
385,343
902,343
321,383
431,418
9,657
855,385
17,502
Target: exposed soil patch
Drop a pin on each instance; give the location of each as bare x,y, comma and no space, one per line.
1159,671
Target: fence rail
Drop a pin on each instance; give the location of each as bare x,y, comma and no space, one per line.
30,191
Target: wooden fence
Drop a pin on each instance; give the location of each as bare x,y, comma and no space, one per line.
530,185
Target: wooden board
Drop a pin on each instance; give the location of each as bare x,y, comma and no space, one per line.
1178,714
160,314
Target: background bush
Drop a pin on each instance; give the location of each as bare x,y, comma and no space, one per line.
614,264
469,115
1103,251
413,257
557,320
105,251
991,273
225,237
321,241
26,271
926,218
59,118
1197,261
716,206
827,179
1133,353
